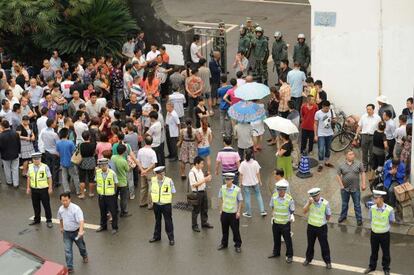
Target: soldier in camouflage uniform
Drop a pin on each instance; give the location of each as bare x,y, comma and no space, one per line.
260,55
250,35
244,41
279,52
220,45
301,53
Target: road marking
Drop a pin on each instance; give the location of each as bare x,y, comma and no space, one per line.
277,2
56,221
194,23
343,267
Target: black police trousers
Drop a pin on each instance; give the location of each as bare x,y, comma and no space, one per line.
228,220
280,230
41,196
321,233
108,204
166,211
382,240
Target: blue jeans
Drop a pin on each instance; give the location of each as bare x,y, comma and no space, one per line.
324,148
256,190
356,198
68,239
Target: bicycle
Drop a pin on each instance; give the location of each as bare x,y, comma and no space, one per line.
344,133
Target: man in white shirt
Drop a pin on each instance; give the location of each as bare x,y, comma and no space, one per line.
146,161
55,61
6,111
366,128
172,130
72,223
93,107
241,63
138,57
65,86
195,50
198,183
178,100
152,55
400,134
389,131
155,131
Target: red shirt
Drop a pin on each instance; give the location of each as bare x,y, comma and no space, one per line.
308,116
233,98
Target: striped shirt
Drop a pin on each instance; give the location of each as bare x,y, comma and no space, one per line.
228,157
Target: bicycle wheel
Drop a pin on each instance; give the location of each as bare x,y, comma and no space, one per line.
341,141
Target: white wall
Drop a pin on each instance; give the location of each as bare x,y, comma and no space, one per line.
347,57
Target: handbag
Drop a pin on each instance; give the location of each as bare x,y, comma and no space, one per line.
192,198
76,157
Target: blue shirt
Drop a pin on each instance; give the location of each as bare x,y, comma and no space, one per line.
215,71
398,177
65,148
224,106
295,79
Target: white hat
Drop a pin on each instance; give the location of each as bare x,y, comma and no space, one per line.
379,193
37,155
282,185
278,34
301,35
382,99
229,175
314,192
159,169
102,161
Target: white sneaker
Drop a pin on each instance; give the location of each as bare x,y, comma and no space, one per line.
247,215
132,196
264,213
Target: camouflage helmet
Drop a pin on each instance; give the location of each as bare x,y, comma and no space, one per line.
222,25
258,29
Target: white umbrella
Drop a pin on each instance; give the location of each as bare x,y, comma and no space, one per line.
281,124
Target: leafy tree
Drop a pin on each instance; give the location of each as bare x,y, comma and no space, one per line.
98,29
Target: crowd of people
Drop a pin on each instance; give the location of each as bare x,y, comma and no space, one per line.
106,122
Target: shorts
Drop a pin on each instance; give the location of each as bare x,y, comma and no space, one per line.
203,151
207,95
87,176
214,88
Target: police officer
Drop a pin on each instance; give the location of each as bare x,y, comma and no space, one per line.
260,55
230,207
301,53
39,185
381,216
279,51
283,208
106,182
319,214
220,45
244,41
162,188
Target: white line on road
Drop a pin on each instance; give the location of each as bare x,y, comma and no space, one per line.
277,2
56,221
340,266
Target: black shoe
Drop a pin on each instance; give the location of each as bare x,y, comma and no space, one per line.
289,260
114,231
153,240
386,272
100,229
368,270
320,167
237,249
172,242
221,247
49,224
328,266
359,223
306,262
341,219
196,229
124,215
207,225
273,256
34,223
183,177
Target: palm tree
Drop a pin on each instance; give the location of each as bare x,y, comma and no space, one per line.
98,29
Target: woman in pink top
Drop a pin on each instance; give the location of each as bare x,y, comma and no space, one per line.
103,145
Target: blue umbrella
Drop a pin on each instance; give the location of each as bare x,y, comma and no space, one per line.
246,112
252,91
